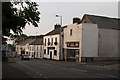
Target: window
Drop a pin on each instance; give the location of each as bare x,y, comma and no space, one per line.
37,48
52,41
40,47
70,32
56,39
45,42
32,48
44,51
55,52
48,41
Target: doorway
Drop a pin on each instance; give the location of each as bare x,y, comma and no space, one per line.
50,54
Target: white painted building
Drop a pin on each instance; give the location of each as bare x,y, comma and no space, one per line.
80,40
36,49
22,47
53,44
94,38
32,46
108,30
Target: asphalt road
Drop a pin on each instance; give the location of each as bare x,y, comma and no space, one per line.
60,69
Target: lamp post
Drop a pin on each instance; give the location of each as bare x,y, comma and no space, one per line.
61,54
60,19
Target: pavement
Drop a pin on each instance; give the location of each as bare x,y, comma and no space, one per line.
108,64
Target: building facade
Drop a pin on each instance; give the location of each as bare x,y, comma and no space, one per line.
108,30
80,41
53,44
36,49
23,47
94,38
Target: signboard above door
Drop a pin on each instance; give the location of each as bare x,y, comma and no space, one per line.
72,44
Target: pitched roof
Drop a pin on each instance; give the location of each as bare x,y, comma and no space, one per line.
27,41
37,41
104,22
56,31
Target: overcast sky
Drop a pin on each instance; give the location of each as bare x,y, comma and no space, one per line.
68,10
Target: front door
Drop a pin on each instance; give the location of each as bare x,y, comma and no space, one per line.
50,54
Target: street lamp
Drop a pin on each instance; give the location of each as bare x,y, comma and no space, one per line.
60,19
60,34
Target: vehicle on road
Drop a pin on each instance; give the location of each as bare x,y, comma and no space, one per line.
25,57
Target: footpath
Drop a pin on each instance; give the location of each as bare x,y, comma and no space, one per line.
108,64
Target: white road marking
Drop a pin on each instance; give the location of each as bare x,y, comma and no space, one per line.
107,75
77,70
45,77
33,70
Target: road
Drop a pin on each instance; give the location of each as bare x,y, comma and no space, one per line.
61,69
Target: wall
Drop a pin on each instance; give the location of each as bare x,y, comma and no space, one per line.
18,49
108,43
76,35
31,51
89,40
56,46
39,49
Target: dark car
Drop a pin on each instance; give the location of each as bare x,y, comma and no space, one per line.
25,57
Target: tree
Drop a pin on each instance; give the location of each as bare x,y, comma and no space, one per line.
16,18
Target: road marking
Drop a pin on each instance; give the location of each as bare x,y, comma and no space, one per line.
107,75
33,70
77,70
45,77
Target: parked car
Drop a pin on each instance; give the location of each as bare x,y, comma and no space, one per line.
25,57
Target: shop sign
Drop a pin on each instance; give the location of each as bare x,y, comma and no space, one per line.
72,44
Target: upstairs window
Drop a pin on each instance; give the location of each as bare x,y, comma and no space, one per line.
45,42
55,41
48,41
52,41
70,32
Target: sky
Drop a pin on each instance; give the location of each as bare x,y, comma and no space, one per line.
69,10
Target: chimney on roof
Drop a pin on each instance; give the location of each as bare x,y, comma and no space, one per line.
76,20
57,26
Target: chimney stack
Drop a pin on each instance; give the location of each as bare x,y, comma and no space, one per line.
57,26
76,20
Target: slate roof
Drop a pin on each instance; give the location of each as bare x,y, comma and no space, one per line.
37,41
55,31
104,22
27,41
34,40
